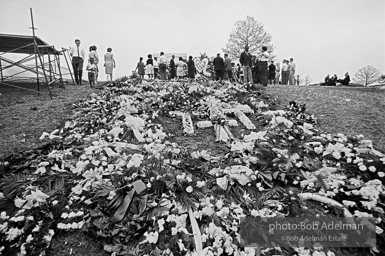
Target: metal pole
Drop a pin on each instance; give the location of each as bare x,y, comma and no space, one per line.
38,53
57,56
49,66
69,69
1,71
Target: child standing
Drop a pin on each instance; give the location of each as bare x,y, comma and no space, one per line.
140,68
92,69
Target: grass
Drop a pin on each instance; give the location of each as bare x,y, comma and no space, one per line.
350,111
26,115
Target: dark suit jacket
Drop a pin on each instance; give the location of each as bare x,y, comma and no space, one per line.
245,59
172,64
219,64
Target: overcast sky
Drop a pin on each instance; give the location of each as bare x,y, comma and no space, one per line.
323,36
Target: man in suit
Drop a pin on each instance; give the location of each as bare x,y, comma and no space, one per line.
219,65
228,68
246,63
291,71
78,55
172,67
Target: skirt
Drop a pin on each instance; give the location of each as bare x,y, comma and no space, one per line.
149,69
109,66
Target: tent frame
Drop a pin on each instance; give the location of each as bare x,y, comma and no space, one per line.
46,69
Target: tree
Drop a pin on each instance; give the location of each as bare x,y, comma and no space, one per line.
367,75
248,32
307,80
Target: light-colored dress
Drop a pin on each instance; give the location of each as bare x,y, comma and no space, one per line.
180,68
109,62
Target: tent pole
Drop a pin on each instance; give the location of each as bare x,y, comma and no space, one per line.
58,67
1,71
38,53
50,66
69,69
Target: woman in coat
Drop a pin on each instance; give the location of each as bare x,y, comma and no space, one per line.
191,67
271,75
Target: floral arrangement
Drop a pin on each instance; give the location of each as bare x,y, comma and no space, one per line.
112,171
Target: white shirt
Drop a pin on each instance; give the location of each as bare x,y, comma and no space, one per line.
74,52
162,60
155,64
265,56
292,66
285,67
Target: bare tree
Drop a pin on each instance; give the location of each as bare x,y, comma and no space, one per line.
248,32
367,75
307,80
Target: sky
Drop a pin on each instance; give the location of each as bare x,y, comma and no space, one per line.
322,36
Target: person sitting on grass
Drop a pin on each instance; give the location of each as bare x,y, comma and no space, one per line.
327,80
333,80
92,69
346,80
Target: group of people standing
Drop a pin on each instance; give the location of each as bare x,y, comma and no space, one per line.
78,56
255,70
152,67
288,72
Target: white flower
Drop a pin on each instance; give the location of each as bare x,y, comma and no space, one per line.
55,202
189,189
160,224
208,211
13,233
80,224
362,168
80,213
372,168
4,216
379,230
189,179
336,155
36,229
71,215
349,160
19,202
381,174
319,149
29,238
88,201
219,204
74,225
64,215
111,195
348,203
151,237
201,184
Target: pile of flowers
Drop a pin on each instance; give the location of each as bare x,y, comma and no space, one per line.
112,171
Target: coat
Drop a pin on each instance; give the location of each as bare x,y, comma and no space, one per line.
219,64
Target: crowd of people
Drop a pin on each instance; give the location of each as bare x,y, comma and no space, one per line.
251,69
333,81
78,56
